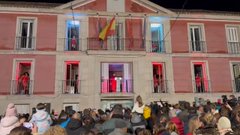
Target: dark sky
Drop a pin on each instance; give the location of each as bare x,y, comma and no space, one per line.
218,5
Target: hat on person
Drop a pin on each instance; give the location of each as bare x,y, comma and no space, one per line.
11,110
224,123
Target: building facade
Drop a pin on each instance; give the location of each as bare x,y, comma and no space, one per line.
52,53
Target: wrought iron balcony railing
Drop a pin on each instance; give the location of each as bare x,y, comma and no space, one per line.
234,47
117,44
202,86
25,43
158,46
197,46
72,44
71,86
159,86
117,85
21,88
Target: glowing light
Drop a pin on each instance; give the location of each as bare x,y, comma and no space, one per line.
156,25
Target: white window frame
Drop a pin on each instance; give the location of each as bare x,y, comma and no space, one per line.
112,40
207,74
164,74
233,39
32,71
231,63
202,36
19,30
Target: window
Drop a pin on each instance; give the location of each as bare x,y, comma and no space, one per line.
26,34
200,81
22,82
236,76
157,37
197,43
117,40
23,108
159,83
71,82
233,39
116,77
72,35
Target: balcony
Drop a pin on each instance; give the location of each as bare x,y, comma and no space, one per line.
234,47
159,86
158,46
202,86
18,88
197,46
116,44
25,43
71,86
236,85
116,86
71,44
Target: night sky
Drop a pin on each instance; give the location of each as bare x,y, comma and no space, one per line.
218,5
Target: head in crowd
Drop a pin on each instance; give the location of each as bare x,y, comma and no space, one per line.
40,106
117,111
11,110
224,125
139,100
21,131
144,132
193,124
55,130
22,119
208,120
171,127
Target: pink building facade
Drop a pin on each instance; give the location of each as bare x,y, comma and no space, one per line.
52,53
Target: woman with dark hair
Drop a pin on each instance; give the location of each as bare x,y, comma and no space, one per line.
21,131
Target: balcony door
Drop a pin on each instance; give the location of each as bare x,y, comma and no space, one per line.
201,82
157,37
25,36
72,35
236,75
23,82
116,77
71,83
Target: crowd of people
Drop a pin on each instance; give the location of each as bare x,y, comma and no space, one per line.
155,118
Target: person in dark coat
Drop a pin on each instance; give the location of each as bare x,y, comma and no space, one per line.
74,127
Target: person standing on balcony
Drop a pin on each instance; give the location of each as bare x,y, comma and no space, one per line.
73,43
156,83
24,81
198,81
113,83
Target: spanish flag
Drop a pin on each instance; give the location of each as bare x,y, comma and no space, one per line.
108,30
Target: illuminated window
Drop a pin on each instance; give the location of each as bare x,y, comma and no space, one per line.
200,81
157,37
72,35
116,77
22,83
71,83
159,83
